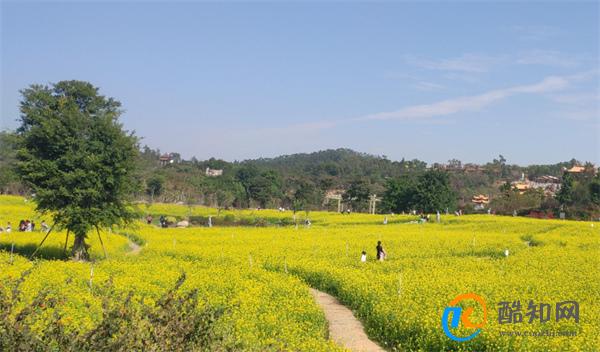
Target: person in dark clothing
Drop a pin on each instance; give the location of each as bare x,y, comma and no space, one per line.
380,251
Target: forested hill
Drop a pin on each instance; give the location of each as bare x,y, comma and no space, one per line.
301,181
342,164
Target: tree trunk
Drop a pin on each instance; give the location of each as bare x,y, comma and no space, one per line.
80,248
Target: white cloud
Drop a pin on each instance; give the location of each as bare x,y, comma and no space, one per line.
469,103
548,58
535,33
473,63
427,112
428,86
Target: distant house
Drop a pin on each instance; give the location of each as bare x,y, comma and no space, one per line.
549,184
165,159
213,172
458,167
473,168
480,201
522,186
576,169
547,179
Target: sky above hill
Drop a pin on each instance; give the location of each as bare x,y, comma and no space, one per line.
236,80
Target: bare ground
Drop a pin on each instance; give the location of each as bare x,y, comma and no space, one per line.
344,328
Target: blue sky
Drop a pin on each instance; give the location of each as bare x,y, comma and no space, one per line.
427,80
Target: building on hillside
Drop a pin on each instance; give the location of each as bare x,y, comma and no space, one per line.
521,186
576,169
549,184
458,167
165,159
213,172
546,179
480,201
473,168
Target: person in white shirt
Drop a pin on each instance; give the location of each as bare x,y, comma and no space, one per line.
363,257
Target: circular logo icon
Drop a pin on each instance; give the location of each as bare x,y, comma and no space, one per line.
454,315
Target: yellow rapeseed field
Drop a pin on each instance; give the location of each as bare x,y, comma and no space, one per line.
261,274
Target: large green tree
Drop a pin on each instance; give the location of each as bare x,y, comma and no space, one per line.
565,194
357,194
433,192
76,157
399,195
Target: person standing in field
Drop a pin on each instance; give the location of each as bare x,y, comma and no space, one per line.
363,257
149,219
380,251
8,227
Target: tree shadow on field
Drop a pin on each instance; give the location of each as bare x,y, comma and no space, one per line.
26,250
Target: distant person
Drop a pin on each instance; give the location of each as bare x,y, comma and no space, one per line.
307,223
380,251
22,225
27,225
32,225
385,220
363,257
437,216
44,227
8,227
163,221
149,219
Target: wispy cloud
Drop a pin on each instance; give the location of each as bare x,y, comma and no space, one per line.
428,86
473,63
548,58
427,113
469,103
535,33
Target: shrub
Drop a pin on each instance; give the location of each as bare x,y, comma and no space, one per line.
174,321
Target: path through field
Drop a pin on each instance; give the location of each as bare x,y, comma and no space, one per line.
134,248
344,328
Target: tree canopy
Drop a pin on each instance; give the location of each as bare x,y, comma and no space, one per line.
75,156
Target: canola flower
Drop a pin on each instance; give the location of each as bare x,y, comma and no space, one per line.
262,273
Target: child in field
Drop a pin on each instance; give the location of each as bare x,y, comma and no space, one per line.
363,257
381,254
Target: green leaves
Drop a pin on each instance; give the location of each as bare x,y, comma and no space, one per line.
75,156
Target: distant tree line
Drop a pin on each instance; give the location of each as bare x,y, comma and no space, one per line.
301,181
